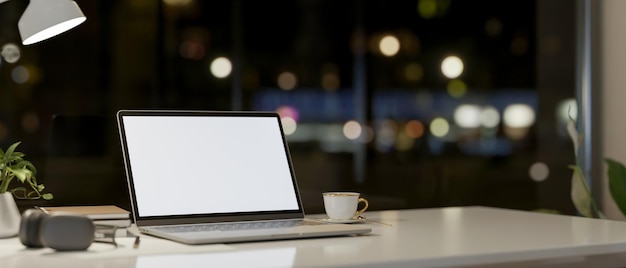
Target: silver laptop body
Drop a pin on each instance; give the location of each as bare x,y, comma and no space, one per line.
193,175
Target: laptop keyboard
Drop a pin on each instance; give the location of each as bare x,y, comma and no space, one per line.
234,226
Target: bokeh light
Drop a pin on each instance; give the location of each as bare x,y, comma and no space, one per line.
404,142
439,127
489,117
389,45
11,53
221,67
287,81
467,116
518,116
178,2
20,74
457,88
452,67
539,171
414,129
330,81
30,122
409,42
288,111
429,9
352,130
519,45
192,50
289,125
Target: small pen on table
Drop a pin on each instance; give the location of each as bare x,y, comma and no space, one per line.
136,244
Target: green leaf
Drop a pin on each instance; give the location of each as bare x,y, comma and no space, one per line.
580,193
617,183
11,149
47,196
573,134
21,174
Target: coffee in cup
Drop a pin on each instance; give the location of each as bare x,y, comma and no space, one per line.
343,205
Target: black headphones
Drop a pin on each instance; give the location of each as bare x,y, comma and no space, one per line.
61,232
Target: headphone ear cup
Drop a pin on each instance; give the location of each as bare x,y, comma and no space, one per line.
66,232
30,227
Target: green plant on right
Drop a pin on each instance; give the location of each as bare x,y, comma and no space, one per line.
14,166
580,193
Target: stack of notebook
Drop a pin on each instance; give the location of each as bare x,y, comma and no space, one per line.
100,215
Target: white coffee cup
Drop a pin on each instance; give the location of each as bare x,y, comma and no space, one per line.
343,205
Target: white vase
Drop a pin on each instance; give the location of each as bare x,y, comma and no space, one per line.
9,216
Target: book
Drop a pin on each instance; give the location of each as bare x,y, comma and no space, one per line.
115,222
98,212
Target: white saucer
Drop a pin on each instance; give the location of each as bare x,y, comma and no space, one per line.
327,220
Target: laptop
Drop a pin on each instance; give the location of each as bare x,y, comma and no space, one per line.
199,177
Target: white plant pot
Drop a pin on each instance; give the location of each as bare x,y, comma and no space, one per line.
9,216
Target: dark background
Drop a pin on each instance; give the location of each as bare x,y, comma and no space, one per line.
148,54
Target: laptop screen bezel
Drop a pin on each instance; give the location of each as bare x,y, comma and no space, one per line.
203,218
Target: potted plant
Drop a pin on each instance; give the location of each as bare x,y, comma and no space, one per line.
580,193
13,167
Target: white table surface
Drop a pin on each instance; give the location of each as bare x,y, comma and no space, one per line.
442,237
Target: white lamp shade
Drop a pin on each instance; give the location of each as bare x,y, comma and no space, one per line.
43,19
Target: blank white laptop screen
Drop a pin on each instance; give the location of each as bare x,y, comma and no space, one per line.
202,165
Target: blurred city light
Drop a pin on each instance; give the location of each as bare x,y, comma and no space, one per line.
330,81
288,111
30,122
178,2
389,45
429,9
352,130
539,171
452,67
518,116
439,127
414,129
20,74
221,67
10,52
192,50
404,142
519,45
515,133
287,81
289,125
457,88
468,116
489,117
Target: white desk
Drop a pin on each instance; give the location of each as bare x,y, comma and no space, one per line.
456,236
